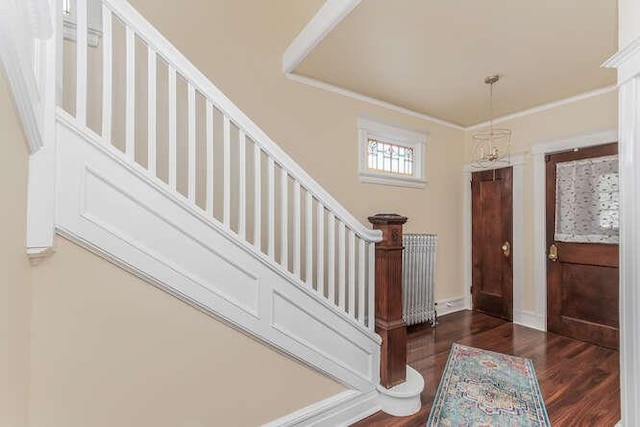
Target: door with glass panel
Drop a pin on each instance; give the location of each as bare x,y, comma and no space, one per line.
582,244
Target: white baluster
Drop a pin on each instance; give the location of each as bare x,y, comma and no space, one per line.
191,155
284,219
130,103
371,287
296,229
361,281
342,288
352,273
226,194
320,285
172,127
107,72
331,257
271,208
309,240
242,185
152,111
257,197
209,137
81,63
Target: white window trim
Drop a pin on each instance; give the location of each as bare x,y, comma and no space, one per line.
371,129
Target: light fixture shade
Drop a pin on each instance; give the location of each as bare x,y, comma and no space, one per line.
491,147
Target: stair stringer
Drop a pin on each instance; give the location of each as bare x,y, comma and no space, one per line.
115,209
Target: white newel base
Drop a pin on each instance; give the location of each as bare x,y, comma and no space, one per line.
403,399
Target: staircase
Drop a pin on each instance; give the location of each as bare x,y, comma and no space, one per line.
141,159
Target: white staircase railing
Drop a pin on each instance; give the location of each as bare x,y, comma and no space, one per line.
160,113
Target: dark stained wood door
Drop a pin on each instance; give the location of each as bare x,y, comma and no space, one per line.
491,229
582,278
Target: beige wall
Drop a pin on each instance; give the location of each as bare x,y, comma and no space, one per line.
629,21
239,46
15,284
111,350
587,116
83,343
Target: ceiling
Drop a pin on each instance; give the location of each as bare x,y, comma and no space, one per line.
432,56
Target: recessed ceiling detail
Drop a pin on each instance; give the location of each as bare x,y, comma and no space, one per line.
430,56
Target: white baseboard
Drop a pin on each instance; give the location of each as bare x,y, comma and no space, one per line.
340,410
529,319
451,305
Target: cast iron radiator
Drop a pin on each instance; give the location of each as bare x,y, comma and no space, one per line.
418,278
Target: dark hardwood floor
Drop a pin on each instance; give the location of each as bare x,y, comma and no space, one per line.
580,382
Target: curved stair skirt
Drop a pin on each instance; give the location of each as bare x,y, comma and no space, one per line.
403,399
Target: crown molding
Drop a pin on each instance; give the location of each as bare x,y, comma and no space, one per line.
328,16
309,81
545,107
626,61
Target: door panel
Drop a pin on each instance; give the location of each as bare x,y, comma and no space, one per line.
492,218
582,283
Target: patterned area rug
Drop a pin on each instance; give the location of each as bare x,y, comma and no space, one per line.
482,388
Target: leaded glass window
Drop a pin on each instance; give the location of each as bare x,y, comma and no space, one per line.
391,155
387,157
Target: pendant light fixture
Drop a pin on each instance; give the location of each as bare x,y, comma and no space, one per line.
492,146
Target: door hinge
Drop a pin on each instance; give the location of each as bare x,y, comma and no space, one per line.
547,158
471,289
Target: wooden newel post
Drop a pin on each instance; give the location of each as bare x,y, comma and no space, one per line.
389,322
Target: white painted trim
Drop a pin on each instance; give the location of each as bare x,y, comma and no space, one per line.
318,84
539,249
369,100
323,22
540,150
93,20
515,161
40,225
451,305
117,211
403,399
393,134
579,141
529,319
68,122
201,83
627,62
546,107
40,16
16,36
340,410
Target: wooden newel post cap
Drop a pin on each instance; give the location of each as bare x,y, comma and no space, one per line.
387,219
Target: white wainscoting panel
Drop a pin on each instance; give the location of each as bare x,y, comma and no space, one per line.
119,212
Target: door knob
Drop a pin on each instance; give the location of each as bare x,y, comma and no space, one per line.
506,248
553,253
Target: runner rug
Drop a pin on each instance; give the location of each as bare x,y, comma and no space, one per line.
483,388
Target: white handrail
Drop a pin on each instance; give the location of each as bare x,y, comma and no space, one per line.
329,252
177,60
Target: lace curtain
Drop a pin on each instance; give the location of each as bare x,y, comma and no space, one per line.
587,200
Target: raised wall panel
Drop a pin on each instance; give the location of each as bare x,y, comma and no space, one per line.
115,209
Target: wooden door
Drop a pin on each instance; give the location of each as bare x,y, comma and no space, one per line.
582,277
491,229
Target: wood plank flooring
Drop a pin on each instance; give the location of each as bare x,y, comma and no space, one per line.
580,382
